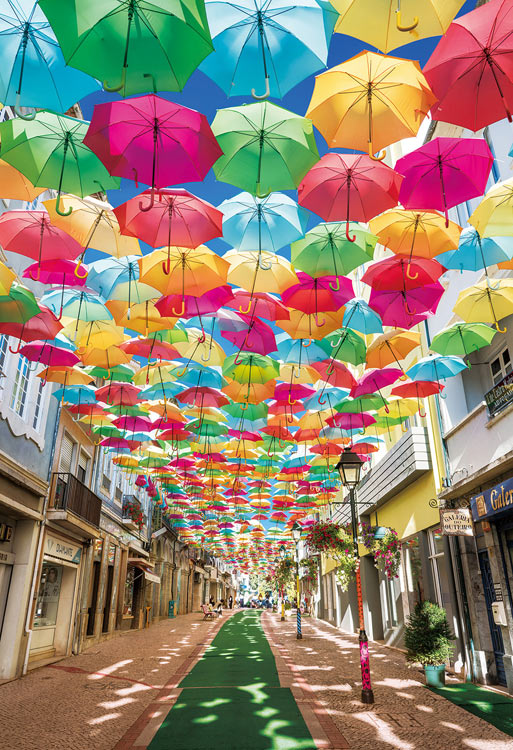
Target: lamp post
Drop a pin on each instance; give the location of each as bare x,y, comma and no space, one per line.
349,467
296,536
282,556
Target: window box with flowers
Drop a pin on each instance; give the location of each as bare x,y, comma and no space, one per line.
385,546
336,541
132,513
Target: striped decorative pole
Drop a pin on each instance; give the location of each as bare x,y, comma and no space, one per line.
299,635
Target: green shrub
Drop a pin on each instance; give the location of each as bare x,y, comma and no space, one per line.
427,635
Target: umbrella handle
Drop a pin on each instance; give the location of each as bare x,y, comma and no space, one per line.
330,368
319,325
291,401
29,116
180,312
421,415
15,351
265,95
409,274
336,288
166,266
245,312
58,207
244,406
442,395
404,376
261,195
308,343
399,25
320,401
403,430
335,344
113,89
297,372
77,274
151,203
376,158
38,274
410,312
207,358
350,239
236,361
499,329
264,266
490,286
181,374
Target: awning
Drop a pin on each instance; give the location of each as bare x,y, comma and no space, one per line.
144,567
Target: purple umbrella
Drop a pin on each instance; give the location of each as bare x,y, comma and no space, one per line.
444,172
404,309
373,380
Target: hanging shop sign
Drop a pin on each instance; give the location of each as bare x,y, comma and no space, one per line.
62,550
456,522
493,502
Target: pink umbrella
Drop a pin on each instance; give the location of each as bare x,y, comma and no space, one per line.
444,172
55,271
402,272
292,393
209,302
149,348
261,304
249,333
30,233
349,186
253,437
48,354
153,140
404,309
173,217
373,380
351,421
134,424
471,68
317,295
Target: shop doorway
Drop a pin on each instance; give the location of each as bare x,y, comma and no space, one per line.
108,597
495,631
91,611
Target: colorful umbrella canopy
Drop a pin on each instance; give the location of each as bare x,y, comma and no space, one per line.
471,68
420,233
369,102
265,147
492,217
17,307
483,304
462,339
404,309
327,251
475,253
402,273
267,42
135,47
436,367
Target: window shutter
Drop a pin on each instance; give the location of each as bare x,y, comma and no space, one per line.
66,457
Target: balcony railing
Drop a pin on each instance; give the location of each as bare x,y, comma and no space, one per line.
500,396
70,494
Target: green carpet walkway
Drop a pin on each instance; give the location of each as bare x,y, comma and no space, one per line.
495,708
232,699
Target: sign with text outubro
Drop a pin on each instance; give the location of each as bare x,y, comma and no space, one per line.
456,522
493,502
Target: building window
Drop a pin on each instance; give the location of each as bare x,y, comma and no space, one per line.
500,366
83,467
4,342
391,606
20,389
413,570
38,405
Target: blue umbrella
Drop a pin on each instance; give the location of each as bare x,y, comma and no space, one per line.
251,223
360,317
475,252
436,367
329,396
76,394
293,351
278,41
74,303
159,391
197,375
34,72
105,275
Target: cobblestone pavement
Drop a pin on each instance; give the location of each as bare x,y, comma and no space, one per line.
115,695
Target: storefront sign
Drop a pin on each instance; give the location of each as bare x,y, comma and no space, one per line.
456,522
5,532
497,500
62,550
7,558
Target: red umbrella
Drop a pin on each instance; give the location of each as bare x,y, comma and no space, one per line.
401,272
173,217
349,186
208,302
334,373
417,389
261,304
317,295
118,394
374,380
203,396
30,233
149,348
44,325
444,172
404,309
471,68
153,140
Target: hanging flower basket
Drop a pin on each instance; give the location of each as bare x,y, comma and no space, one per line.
384,544
335,540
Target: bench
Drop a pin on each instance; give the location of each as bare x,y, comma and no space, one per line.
208,612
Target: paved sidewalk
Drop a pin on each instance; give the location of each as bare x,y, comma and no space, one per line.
406,715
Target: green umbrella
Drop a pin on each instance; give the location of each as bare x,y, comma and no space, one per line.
119,373
137,45
245,367
463,338
107,430
251,414
50,152
345,345
369,402
265,147
18,306
326,251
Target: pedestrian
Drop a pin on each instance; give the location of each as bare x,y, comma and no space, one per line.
219,608
230,601
211,601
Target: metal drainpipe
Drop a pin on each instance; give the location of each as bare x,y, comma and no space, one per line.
35,574
465,623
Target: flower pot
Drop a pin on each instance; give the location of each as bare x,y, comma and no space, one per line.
380,532
435,675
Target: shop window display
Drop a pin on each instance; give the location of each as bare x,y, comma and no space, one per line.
48,595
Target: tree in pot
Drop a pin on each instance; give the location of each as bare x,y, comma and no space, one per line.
427,637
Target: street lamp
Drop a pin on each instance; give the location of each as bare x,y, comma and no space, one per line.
282,553
349,467
296,536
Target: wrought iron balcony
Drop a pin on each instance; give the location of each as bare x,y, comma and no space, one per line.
70,494
500,396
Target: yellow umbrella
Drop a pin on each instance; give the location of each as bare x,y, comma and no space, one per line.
65,376
105,358
93,224
97,334
304,326
399,408
260,272
6,279
388,24
201,348
370,101
483,304
15,186
159,372
419,233
492,218
298,374
391,347
143,317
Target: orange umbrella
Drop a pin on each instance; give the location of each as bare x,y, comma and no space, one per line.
422,234
65,376
256,393
391,347
304,326
143,318
15,185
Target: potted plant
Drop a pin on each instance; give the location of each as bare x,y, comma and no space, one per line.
384,544
427,637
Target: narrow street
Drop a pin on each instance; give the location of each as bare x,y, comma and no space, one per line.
165,688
